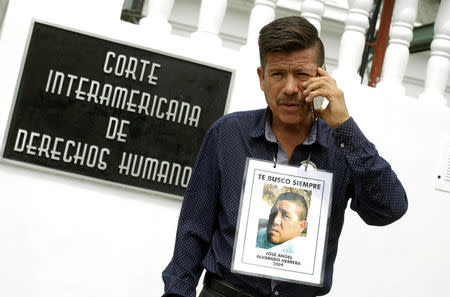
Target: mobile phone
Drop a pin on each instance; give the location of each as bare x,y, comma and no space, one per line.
318,101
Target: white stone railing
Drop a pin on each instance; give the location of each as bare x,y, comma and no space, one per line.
212,13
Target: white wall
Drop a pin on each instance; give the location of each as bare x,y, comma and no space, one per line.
407,258
62,236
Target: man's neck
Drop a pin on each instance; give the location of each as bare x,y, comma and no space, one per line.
290,136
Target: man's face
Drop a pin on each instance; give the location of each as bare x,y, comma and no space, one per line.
282,80
284,223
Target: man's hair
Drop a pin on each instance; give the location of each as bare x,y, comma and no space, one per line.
289,34
299,200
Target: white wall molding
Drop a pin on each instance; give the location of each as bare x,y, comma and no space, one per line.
410,80
241,5
335,10
229,40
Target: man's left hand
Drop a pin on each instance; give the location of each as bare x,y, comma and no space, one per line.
324,85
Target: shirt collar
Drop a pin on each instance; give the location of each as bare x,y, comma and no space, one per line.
317,133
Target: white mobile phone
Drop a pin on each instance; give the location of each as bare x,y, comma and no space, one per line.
318,101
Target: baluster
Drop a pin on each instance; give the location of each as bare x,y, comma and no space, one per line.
211,17
157,13
439,64
263,12
397,52
353,41
247,92
313,10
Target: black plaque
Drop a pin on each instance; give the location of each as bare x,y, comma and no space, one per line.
98,108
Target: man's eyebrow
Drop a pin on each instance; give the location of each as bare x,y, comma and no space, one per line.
274,69
296,69
305,70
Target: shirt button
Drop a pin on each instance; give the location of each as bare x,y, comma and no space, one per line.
276,293
342,144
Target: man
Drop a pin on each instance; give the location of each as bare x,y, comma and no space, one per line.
287,221
291,53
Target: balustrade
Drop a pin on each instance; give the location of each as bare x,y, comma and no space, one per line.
351,47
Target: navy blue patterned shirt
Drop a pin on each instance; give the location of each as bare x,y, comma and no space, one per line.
207,222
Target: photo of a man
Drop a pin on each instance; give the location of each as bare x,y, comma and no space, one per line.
287,221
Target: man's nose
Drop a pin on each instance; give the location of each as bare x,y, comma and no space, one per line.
277,220
291,85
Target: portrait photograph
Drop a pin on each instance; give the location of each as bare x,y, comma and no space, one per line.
286,221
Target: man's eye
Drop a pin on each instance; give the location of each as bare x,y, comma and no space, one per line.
303,76
277,73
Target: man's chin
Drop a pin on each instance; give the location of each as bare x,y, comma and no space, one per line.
274,239
294,118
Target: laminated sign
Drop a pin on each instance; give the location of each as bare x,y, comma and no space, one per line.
283,222
98,108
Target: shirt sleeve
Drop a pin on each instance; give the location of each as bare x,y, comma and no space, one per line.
377,194
196,223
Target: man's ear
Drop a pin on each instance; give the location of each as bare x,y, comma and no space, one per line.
261,77
302,226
